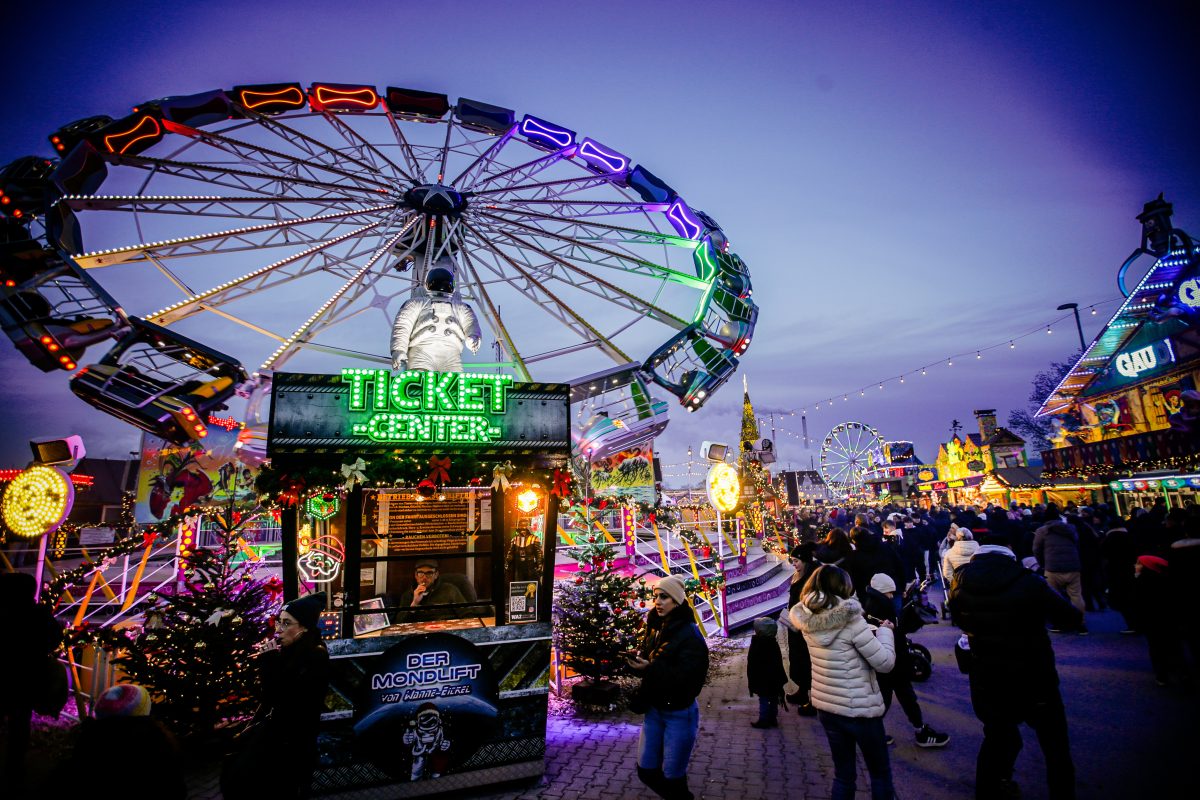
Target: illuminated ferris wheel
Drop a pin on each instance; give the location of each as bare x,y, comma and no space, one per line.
848,452
273,225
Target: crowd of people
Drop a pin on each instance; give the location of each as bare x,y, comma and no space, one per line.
1012,576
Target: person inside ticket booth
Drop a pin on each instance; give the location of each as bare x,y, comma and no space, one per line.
421,602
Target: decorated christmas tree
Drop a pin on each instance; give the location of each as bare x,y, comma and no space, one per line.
754,478
596,612
195,651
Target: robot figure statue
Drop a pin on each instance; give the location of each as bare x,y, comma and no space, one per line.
430,330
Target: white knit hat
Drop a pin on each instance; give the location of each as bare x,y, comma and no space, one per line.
882,583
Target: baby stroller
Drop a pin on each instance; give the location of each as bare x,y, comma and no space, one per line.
916,613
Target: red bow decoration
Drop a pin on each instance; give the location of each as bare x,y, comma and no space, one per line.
148,538
439,469
562,483
273,586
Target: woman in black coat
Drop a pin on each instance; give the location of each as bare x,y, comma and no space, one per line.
279,751
799,662
672,659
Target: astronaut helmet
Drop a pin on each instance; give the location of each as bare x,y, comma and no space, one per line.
440,280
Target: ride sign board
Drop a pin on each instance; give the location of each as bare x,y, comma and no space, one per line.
373,410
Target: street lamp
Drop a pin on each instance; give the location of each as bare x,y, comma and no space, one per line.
1074,307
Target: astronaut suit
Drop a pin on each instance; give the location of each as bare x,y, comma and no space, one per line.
429,331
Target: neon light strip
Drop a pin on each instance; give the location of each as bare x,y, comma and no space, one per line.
682,219
601,156
272,97
153,124
365,97
534,128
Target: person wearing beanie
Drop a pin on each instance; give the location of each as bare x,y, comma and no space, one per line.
804,563
764,672
878,607
1156,616
672,659
293,680
123,724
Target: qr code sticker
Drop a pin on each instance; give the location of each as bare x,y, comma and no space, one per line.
516,604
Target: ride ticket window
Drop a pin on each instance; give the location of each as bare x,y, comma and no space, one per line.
426,561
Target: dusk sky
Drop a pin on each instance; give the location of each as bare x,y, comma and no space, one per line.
906,181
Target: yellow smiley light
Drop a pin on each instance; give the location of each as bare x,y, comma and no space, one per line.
527,501
724,488
37,501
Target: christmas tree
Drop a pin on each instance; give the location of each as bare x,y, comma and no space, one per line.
750,468
596,612
194,652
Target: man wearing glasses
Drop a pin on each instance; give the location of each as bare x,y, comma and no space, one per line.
419,603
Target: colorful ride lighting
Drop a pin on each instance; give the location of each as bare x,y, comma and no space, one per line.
683,220
541,132
270,98
342,97
601,158
146,130
37,501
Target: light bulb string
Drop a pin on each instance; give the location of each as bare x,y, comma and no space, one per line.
1007,342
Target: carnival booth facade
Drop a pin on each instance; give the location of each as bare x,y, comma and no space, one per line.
1128,411
424,505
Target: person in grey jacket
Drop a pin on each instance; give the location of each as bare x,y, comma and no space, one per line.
1056,548
845,653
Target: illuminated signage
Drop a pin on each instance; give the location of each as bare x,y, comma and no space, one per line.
321,560
724,490
363,408
419,406
37,501
228,423
428,675
1134,362
1189,293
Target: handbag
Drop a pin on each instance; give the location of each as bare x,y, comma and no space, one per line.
50,688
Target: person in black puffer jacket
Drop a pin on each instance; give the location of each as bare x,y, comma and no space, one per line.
799,663
871,557
1003,609
672,658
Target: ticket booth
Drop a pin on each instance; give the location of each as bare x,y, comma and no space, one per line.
434,542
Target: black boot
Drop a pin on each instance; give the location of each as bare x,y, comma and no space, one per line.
654,780
676,789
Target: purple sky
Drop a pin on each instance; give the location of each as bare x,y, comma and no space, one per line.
907,181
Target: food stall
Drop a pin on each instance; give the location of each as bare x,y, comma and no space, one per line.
433,540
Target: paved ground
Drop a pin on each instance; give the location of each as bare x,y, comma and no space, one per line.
1130,738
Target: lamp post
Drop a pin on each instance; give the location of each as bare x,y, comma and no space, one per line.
1074,307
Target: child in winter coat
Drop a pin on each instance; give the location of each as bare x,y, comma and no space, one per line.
764,672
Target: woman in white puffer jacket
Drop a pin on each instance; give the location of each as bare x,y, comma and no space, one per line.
846,652
959,553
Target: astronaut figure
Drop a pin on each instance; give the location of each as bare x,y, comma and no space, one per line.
427,738
430,330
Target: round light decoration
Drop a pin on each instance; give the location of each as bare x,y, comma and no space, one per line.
527,501
724,488
37,501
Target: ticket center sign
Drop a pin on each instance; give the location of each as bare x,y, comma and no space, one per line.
377,410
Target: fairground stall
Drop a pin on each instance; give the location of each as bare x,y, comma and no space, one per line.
965,462
1127,413
429,537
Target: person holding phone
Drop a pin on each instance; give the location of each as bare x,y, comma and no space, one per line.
672,660
846,652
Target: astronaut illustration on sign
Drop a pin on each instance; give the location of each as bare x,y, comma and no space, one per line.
426,737
430,329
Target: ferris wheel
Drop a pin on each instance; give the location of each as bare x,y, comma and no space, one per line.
276,224
848,452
